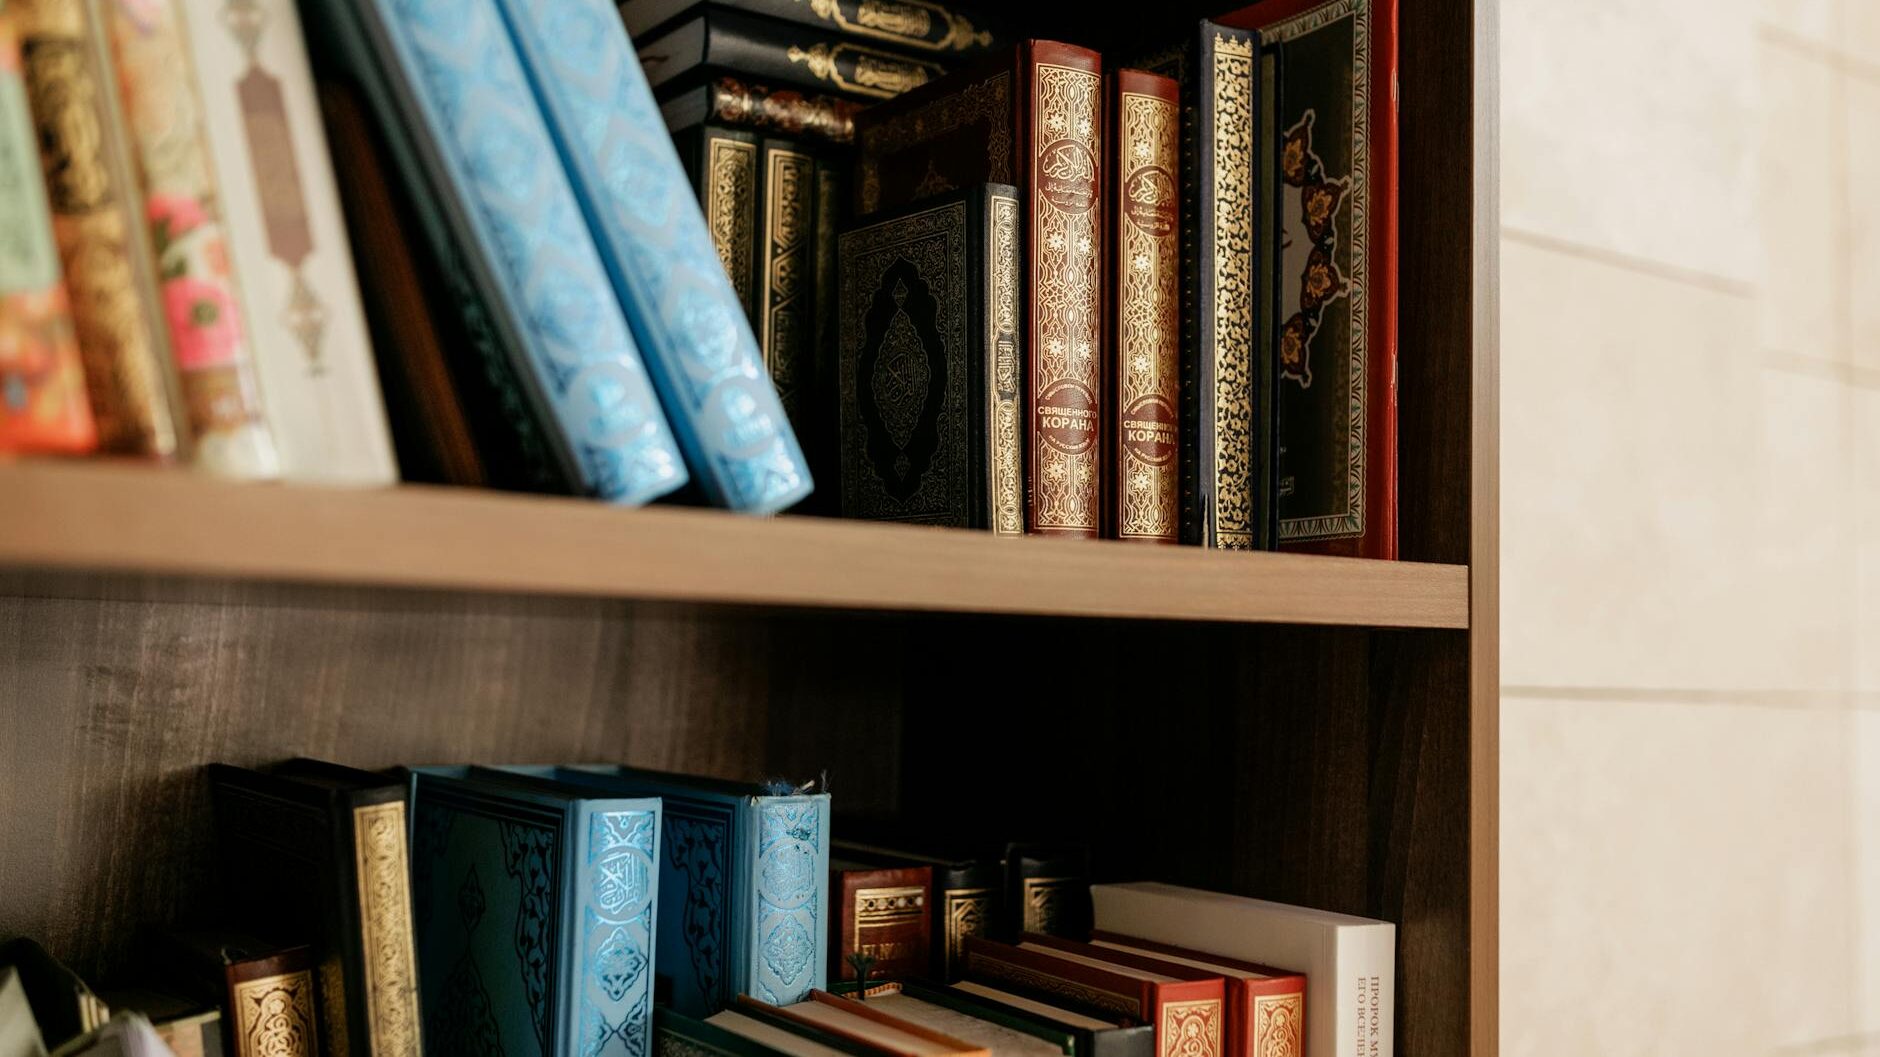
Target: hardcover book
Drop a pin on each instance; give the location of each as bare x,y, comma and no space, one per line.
909,25
721,40
452,102
981,1023
882,915
1047,890
786,302
725,171
1184,1005
536,916
1266,1007
850,1024
42,376
1335,176
966,898
1142,490
287,237
317,852
431,426
1226,384
1349,961
97,223
1033,119
729,418
745,875
267,990
928,376
1094,1031
822,437
741,104
210,343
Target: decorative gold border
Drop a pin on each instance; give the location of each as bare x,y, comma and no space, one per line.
877,908
968,913
990,100
1190,1029
274,1015
1005,412
1148,339
730,205
1233,294
789,189
880,74
385,929
1279,1026
905,22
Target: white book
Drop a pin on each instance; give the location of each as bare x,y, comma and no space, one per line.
287,239
1350,962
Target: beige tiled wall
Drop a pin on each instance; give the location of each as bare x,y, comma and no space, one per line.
1691,527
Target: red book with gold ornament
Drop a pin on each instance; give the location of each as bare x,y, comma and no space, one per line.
1032,118
1185,1005
1266,1007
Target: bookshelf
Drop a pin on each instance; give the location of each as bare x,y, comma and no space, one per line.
1311,730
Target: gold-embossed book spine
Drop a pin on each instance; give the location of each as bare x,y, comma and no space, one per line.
1063,141
1005,407
97,224
1142,484
723,164
786,274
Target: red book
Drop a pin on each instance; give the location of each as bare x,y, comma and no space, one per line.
1032,118
1331,68
1266,1007
1186,1005
883,912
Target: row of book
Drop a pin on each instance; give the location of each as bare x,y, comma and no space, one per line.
546,306
553,910
1033,289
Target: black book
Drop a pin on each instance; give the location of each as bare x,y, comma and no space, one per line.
719,40
1047,890
929,360
724,166
1227,431
315,851
1093,1032
915,26
968,893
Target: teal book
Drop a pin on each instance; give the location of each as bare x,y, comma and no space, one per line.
453,107
745,874
689,322
536,920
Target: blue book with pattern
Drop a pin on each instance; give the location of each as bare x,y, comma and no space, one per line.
453,104
534,916
745,874
665,267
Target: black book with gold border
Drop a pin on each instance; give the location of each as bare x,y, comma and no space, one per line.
717,41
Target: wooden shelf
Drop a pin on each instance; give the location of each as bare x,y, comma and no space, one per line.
92,518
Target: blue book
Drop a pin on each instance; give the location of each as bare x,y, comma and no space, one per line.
665,267
745,872
535,919
465,133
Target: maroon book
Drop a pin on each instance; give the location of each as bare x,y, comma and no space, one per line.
881,912
1032,118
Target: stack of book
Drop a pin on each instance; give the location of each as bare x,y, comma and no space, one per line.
571,911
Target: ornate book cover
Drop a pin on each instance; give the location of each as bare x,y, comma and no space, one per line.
732,421
1336,324
907,25
210,343
1035,120
1086,1029
786,302
1266,1007
430,425
287,237
316,850
43,407
1047,890
741,104
947,1011
928,377
745,878
883,914
719,41
1142,487
725,168
97,224
1227,420
451,99
966,899
1185,1005
267,991
822,435
854,1026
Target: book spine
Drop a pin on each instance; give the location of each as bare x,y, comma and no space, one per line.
1224,71
209,343
1364,994
917,25
1269,1017
726,172
97,224
786,314
784,866
734,427
960,911
611,928
780,53
1190,1017
42,376
271,1008
1143,488
1064,144
1005,353
376,885
293,263
767,109
882,916
822,433
544,274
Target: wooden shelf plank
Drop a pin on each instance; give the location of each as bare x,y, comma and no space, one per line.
127,519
